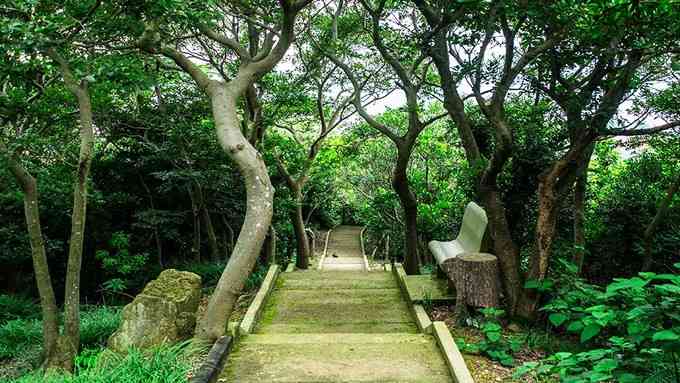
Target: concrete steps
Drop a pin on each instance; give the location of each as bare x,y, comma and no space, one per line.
344,250
337,326
337,358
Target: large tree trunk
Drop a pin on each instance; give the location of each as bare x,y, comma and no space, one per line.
409,204
259,196
580,189
302,260
48,305
504,247
656,221
552,187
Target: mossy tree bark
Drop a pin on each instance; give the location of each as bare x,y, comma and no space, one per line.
69,341
48,305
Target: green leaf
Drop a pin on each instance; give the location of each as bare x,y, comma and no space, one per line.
557,319
606,365
493,336
629,378
575,326
665,335
589,332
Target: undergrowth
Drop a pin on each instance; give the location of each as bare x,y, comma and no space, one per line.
21,339
168,364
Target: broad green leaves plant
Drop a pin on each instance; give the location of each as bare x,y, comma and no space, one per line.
624,329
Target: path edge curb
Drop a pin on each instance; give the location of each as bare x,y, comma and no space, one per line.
255,308
418,311
325,249
217,356
452,356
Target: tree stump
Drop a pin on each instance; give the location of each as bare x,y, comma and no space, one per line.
475,277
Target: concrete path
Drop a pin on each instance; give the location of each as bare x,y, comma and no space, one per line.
344,250
336,326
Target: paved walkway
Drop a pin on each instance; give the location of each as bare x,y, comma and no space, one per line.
336,326
344,250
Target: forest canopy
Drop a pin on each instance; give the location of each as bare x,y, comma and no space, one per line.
221,137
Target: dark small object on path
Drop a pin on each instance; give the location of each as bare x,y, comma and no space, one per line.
333,255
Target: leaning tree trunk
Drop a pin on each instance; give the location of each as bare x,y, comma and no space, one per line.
656,221
302,260
409,205
48,305
259,196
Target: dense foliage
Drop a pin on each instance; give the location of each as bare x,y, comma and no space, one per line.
218,136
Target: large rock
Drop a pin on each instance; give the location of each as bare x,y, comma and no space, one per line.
165,312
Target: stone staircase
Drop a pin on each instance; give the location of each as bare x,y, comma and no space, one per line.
344,250
336,326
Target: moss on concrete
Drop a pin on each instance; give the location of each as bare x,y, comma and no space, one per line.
416,361
328,326
427,288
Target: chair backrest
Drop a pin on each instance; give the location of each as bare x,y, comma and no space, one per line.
473,227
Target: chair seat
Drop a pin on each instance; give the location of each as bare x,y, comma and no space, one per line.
445,250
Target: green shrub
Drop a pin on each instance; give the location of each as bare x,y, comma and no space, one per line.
210,272
256,277
494,345
167,364
17,307
97,323
624,329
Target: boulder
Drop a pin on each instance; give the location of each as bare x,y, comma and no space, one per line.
164,312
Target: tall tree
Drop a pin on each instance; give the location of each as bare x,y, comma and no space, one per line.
409,74
589,76
329,113
224,95
459,39
34,48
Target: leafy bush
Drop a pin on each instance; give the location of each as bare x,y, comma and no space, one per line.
120,264
495,345
17,307
255,278
631,325
210,272
162,365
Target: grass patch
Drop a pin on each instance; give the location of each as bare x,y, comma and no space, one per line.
17,307
168,364
21,339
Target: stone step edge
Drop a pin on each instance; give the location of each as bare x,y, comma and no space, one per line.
338,338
